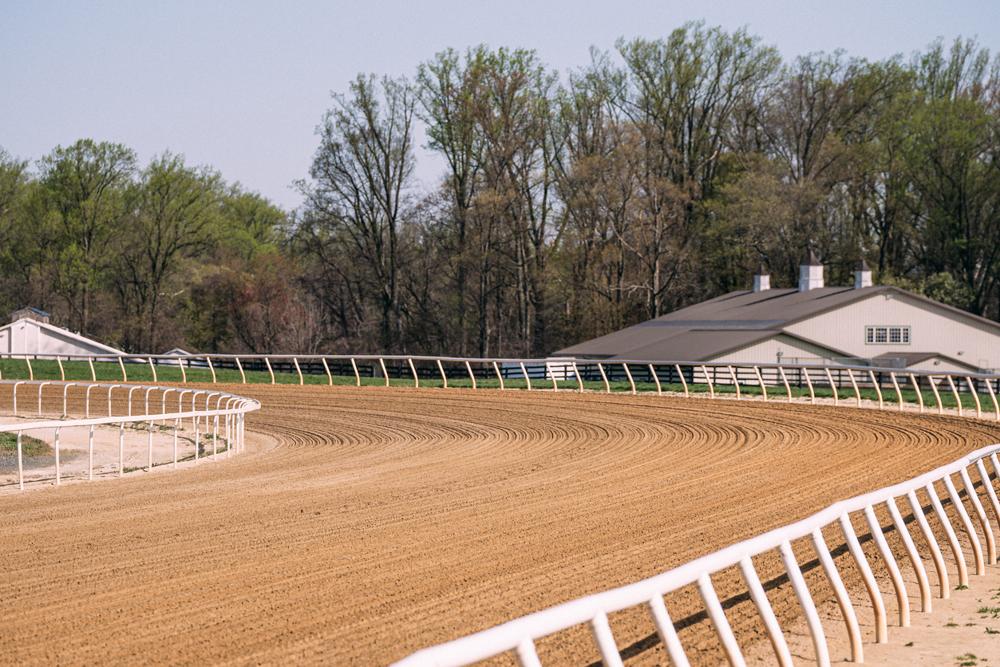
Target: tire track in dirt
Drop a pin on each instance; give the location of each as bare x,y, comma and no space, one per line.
385,520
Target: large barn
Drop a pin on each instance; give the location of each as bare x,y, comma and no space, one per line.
863,323
30,332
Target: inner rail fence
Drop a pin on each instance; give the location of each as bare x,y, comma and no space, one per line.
519,636
202,416
887,387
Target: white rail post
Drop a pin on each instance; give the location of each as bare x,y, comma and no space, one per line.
210,367
899,393
548,369
329,375
40,396
413,369
183,365
444,376
496,368
243,375
385,373
628,374
31,373
684,383
954,392
579,378
861,561
357,374
975,396
152,368
149,447
215,438
949,532
20,463
944,589
763,605
988,485
854,384
916,388
902,599
784,380
833,386
937,394
177,426
65,407
656,379
16,385
736,381
977,549
912,554
605,640
711,389
808,606
62,373
984,523
90,454
604,378
993,397
121,364
121,449
295,360
760,381
472,376
197,437
840,592
58,468
267,362
809,385
878,389
668,634
93,373
527,379
719,620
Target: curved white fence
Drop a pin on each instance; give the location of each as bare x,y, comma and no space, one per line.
888,387
519,635
214,415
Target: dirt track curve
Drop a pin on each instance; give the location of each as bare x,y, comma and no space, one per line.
386,520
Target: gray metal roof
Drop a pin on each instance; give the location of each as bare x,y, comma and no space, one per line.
731,321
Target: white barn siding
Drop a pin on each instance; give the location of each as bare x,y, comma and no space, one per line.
938,365
30,337
974,343
766,352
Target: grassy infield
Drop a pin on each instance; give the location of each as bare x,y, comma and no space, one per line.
111,372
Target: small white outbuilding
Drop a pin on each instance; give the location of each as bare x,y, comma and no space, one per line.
29,332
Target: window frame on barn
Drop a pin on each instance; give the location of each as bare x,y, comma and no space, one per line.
888,334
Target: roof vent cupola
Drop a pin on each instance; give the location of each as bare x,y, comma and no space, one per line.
761,279
810,272
862,275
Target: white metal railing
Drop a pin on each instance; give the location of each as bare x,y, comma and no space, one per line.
519,636
888,385
214,414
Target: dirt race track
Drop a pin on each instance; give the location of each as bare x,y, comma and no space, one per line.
370,523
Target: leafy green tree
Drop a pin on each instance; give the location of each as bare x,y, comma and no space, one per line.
84,188
175,213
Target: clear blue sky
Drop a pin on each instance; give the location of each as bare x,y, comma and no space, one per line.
242,85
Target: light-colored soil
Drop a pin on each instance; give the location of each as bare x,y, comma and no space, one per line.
965,628
386,520
74,452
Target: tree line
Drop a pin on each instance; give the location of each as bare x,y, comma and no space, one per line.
662,173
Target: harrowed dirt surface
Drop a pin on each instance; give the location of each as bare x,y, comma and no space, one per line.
379,521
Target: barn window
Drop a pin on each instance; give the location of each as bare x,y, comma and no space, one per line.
887,335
